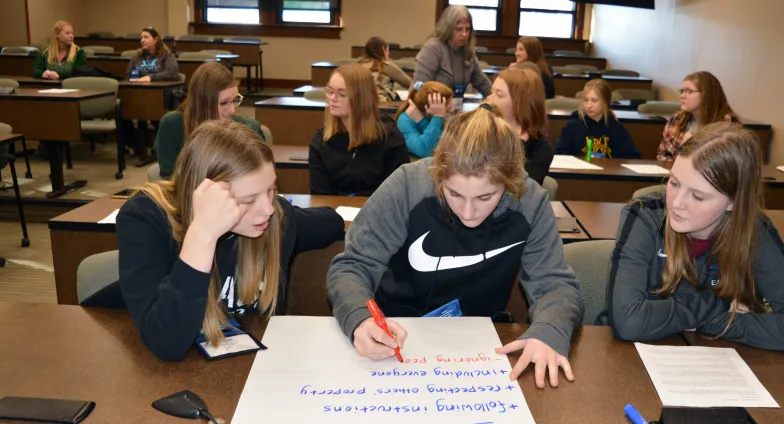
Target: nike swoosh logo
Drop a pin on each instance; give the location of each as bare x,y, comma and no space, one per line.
423,262
661,254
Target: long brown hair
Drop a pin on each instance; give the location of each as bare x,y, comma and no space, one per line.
527,92
535,51
374,52
714,106
420,97
224,151
205,86
160,48
604,91
480,143
729,158
446,24
52,51
364,115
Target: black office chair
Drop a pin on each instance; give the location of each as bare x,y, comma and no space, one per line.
8,159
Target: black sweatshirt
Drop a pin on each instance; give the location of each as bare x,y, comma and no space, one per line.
611,140
336,170
167,298
637,313
538,157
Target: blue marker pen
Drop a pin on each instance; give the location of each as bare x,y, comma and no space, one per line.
633,415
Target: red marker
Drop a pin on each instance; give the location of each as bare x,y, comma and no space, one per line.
378,316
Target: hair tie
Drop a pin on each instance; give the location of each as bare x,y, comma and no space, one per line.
486,106
418,85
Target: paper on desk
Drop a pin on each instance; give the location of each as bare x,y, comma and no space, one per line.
702,377
311,373
646,169
780,168
111,219
571,162
348,213
58,90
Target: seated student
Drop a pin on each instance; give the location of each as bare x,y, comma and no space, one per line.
358,148
595,121
422,120
701,256
215,239
529,49
61,56
519,95
385,73
153,62
458,227
702,102
449,56
212,94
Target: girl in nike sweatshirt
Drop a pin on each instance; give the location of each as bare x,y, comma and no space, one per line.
595,124
702,256
456,229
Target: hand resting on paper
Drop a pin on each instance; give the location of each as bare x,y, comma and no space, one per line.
371,341
543,356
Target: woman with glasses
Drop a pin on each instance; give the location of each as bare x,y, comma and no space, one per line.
702,102
358,147
212,95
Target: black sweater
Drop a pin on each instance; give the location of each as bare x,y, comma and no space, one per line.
334,169
167,298
538,157
611,140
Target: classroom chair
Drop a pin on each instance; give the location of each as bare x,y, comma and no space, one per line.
196,37
96,272
484,65
128,53
584,68
590,261
267,134
659,108
567,70
89,52
345,60
645,191
620,73
7,82
7,159
196,55
100,49
636,94
481,49
97,109
405,62
19,50
573,53
181,77
615,96
317,94
101,34
562,103
133,35
511,50
551,186
39,47
154,172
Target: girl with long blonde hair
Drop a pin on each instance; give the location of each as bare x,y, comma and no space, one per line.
61,56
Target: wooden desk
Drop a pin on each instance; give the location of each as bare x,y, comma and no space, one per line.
145,100
16,65
99,348
118,66
321,71
249,55
292,120
494,58
119,44
569,85
767,365
291,167
24,109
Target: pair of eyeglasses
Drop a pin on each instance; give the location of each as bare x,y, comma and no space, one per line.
329,91
237,102
688,92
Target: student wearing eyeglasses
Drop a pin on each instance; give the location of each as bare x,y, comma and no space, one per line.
212,95
702,102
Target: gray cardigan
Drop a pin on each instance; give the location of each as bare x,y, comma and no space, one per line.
437,61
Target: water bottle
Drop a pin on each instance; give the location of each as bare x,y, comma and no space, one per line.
135,74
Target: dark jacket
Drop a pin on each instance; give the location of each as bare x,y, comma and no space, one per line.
611,140
538,157
334,169
167,298
549,86
637,313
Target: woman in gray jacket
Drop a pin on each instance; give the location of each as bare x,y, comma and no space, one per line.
448,57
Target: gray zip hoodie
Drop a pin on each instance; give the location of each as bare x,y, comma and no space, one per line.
385,259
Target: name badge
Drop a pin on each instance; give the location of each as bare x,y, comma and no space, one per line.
459,91
235,342
451,309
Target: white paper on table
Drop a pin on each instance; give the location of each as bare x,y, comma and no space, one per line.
646,169
703,377
571,162
347,212
312,373
58,90
780,168
111,219
403,94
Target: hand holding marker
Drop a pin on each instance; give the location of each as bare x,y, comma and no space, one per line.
378,316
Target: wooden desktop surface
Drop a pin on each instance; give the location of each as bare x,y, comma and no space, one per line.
69,352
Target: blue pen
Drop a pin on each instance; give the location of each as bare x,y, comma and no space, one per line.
633,415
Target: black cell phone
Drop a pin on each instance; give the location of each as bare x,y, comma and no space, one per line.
123,194
45,410
567,224
672,415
